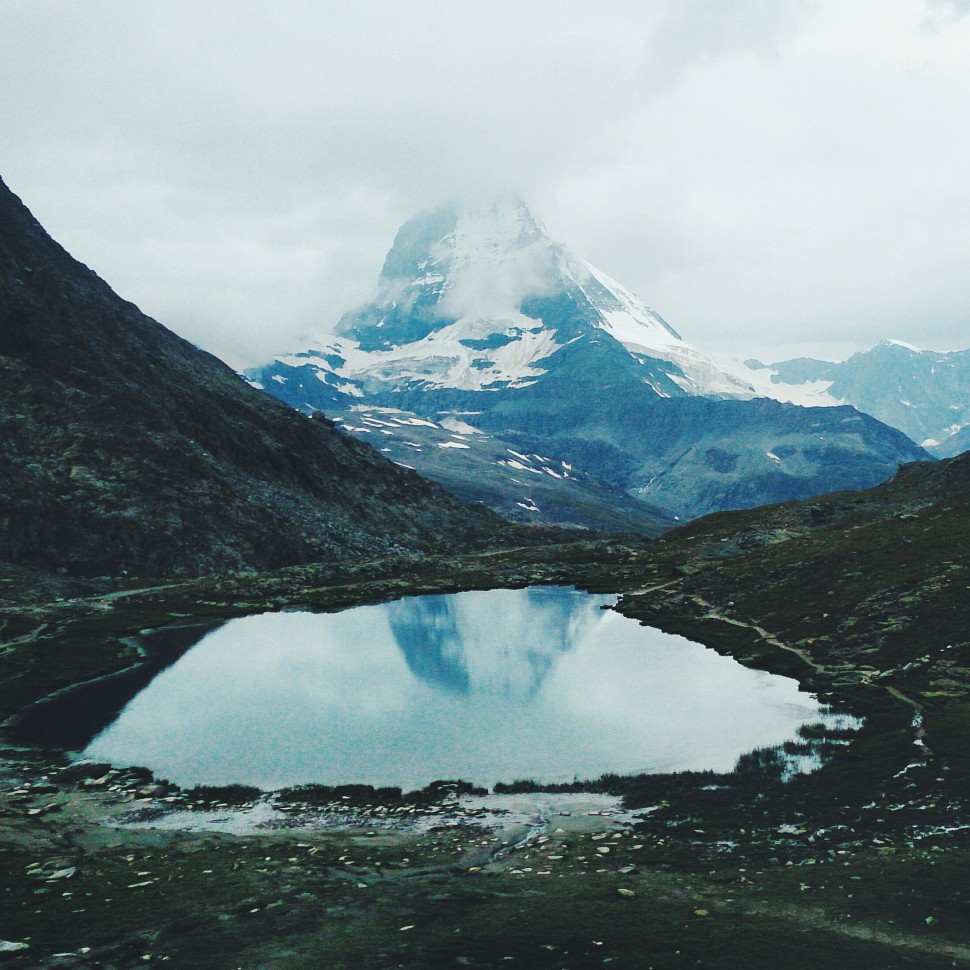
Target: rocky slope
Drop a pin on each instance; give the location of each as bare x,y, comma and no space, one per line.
124,448
481,317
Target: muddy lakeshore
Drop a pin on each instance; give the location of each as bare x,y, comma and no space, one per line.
861,864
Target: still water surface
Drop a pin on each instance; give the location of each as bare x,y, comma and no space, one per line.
486,686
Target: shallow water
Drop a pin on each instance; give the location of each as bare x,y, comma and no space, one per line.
485,686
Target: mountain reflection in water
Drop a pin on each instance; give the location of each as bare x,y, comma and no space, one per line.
502,641
486,686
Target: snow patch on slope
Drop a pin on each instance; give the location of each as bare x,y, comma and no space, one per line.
810,394
441,359
642,330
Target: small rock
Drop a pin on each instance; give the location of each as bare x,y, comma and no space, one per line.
84,769
625,893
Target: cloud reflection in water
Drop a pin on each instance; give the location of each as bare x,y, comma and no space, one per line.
487,686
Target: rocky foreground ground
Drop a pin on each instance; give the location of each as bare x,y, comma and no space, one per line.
105,868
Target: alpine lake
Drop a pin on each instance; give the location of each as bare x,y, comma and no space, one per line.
488,687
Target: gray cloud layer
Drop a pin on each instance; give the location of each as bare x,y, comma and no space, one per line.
772,175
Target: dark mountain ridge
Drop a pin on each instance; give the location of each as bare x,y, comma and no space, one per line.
124,447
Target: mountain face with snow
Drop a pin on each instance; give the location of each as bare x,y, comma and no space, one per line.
483,300
484,469
481,317
924,393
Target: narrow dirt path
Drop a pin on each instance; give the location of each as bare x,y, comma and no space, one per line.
712,613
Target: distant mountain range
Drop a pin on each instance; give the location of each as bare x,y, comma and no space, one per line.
124,448
924,393
483,322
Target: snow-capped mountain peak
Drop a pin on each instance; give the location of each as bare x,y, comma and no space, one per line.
924,393
479,297
481,317
900,343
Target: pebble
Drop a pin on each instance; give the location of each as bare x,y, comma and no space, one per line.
62,873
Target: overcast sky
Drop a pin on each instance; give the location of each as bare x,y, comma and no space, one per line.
772,176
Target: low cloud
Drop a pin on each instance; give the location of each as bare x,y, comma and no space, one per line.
940,13
759,170
493,272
